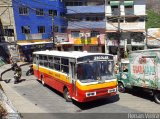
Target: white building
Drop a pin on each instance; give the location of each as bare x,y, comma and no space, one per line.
7,21
128,17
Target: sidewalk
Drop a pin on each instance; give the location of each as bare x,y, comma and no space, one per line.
21,104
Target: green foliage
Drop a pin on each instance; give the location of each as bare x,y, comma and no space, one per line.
153,19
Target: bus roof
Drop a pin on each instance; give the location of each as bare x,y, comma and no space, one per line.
70,54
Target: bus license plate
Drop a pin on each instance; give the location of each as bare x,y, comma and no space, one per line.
112,90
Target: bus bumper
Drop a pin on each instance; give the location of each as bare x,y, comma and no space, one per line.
83,96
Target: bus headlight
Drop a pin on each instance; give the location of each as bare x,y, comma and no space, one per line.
89,94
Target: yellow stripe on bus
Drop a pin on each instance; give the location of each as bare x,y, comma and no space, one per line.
54,74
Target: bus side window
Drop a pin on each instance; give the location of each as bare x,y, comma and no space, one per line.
34,59
50,62
65,65
57,63
40,60
45,59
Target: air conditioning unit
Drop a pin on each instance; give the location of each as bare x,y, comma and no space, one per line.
88,34
81,34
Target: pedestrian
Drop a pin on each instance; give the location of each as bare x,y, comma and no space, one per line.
17,74
116,68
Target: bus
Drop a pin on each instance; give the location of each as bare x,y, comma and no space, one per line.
80,76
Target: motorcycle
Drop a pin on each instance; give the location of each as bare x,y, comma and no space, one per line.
30,71
17,75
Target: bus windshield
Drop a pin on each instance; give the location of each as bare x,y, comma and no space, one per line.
93,71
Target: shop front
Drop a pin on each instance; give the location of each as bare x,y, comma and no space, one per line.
26,49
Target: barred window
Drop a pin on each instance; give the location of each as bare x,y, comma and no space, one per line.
39,12
25,29
41,29
23,10
52,12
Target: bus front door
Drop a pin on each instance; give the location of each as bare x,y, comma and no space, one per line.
73,79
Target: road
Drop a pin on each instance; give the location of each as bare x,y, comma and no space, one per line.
53,101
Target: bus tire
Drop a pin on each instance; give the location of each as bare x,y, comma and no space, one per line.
121,87
157,97
67,95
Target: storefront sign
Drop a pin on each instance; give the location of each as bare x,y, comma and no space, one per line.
60,37
112,42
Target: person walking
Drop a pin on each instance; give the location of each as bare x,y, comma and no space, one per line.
17,74
116,68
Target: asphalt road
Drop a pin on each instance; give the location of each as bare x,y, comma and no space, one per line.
53,101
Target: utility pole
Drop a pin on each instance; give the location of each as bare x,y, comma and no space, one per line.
53,30
119,34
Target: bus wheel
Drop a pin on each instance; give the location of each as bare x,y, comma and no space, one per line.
157,97
67,95
121,87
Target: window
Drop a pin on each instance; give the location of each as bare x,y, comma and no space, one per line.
41,63
78,48
62,14
39,12
64,65
75,34
52,13
50,59
74,3
23,10
41,29
8,32
63,29
94,48
94,33
25,29
55,28
57,62
50,62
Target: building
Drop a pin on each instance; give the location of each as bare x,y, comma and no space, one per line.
125,25
7,21
86,25
153,38
34,23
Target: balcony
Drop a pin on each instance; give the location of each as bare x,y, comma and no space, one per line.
138,26
137,43
124,42
85,9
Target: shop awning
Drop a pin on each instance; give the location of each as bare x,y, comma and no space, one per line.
128,3
114,3
35,43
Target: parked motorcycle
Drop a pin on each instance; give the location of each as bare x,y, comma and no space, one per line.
30,71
